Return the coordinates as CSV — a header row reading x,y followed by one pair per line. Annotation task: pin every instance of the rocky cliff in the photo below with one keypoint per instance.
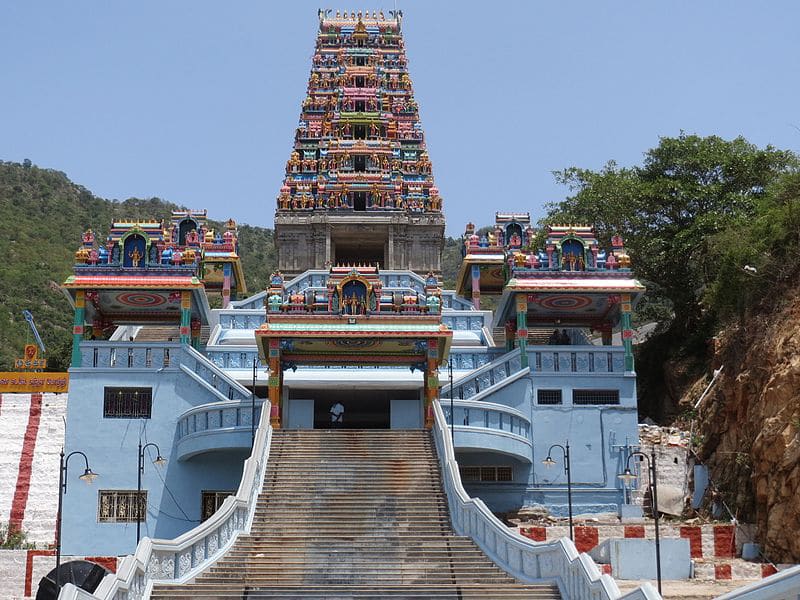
x,y
749,425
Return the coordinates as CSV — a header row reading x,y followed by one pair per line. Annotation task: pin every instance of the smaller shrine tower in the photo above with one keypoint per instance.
x,y
359,188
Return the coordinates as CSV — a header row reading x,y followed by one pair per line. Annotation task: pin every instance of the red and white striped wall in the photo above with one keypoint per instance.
x,y
713,548
31,436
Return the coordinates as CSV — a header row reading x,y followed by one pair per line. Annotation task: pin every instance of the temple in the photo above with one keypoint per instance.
x,y
359,187
355,315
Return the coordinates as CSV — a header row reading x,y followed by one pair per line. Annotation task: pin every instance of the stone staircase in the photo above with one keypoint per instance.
x,y
165,333
353,514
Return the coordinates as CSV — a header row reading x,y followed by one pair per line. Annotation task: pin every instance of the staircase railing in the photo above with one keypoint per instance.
x,y
208,375
780,586
577,575
183,558
487,376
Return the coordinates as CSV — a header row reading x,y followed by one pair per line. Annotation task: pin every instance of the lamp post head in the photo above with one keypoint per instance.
x,y
88,476
548,462
627,477
160,461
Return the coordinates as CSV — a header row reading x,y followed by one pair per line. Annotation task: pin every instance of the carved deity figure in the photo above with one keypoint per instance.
x,y
135,256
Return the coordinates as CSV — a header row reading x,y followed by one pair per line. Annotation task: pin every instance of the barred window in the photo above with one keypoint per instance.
x,y
211,500
119,506
548,396
127,403
486,473
595,396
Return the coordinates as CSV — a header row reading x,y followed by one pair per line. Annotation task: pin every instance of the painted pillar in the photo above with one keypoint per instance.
x,y
196,333
627,332
274,381
77,327
431,380
522,328
226,284
476,287
186,316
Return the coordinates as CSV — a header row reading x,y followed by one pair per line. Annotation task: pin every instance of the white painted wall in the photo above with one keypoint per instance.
x,y
40,513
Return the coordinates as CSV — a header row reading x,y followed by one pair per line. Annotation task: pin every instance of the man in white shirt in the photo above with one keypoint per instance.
x,y
337,414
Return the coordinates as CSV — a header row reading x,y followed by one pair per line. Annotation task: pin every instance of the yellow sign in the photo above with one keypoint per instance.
x,y
31,359
24,383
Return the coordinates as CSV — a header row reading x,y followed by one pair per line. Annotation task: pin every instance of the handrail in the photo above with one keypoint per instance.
x,y
508,357
780,586
577,576
200,359
183,558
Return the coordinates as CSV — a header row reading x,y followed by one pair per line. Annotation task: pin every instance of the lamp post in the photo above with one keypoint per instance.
x,y
549,462
160,461
88,476
628,478
452,414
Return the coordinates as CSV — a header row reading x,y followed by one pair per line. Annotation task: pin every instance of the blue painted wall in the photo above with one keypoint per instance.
x,y
111,445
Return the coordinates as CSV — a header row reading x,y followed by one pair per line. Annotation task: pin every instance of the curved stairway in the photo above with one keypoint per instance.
x,y
353,514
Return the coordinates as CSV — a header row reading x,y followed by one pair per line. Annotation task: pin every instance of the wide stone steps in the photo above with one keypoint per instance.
x,y
349,514
366,592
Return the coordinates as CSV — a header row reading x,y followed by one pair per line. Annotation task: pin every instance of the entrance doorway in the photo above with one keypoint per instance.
x,y
363,408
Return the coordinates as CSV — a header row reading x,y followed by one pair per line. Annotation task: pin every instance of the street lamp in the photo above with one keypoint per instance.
x,y
88,476
549,462
628,477
160,461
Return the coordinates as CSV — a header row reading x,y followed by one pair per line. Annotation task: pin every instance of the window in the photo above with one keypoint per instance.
x,y
211,500
119,506
127,403
548,396
595,396
361,61
483,474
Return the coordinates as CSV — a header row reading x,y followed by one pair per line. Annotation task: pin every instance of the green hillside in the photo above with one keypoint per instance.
x,y
42,216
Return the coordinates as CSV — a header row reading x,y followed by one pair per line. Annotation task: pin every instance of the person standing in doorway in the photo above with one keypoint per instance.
x,y
337,414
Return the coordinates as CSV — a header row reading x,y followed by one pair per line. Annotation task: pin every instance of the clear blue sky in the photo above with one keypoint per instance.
x,y
196,102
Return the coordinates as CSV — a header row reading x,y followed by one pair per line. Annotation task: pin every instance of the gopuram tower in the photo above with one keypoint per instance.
x,y
359,188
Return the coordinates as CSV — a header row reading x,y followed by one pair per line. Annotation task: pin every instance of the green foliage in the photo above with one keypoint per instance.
x,y
42,216
451,261
14,539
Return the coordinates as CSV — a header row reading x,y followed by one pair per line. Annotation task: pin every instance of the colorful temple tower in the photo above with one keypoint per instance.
x,y
359,187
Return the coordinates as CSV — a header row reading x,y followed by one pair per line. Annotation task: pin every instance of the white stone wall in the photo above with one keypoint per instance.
x,y
14,409
40,514
12,574
40,510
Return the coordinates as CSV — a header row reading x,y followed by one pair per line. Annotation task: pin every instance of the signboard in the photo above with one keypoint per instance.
x,y
25,383
31,359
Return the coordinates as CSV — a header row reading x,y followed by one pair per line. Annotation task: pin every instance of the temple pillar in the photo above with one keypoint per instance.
x,y
77,327
522,328
186,316
476,287
627,332
274,382
196,333
431,380
226,284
